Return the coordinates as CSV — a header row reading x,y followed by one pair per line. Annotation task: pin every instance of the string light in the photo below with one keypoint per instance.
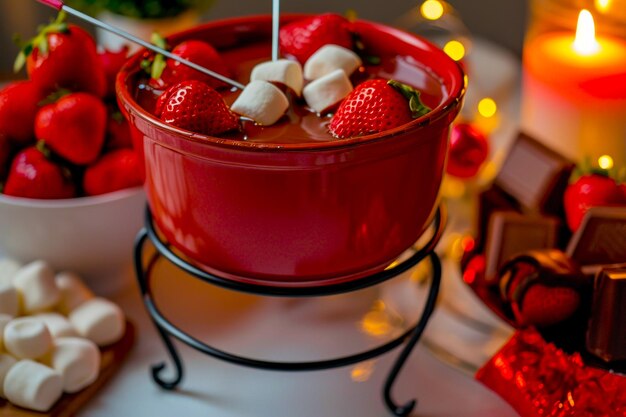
x,y
487,107
455,50
605,162
432,9
603,5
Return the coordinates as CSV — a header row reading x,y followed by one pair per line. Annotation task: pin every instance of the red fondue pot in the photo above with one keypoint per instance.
x,y
293,213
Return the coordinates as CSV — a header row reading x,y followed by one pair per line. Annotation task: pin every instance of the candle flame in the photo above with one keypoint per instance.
x,y
585,42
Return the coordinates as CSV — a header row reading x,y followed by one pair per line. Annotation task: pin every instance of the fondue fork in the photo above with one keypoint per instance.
x,y
60,6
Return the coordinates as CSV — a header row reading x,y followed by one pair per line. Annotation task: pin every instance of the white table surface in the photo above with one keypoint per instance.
x,y
279,329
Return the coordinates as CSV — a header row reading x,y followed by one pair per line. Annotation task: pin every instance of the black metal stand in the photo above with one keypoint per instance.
x,y
166,329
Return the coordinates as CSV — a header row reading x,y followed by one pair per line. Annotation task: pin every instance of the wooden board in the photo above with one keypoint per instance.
x,y
69,404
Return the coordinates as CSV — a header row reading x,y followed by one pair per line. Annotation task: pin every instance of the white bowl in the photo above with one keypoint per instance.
x,y
92,236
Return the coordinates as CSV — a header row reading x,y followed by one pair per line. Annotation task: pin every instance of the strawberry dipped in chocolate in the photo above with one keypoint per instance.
x,y
375,106
63,56
194,106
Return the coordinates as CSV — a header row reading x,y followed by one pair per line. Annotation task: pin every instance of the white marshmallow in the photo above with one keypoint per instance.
x,y
35,284
8,268
58,325
27,338
281,71
262,102
327,91
6,363
9,299
99,320
73,291
78,362
329,58
32,385
4,320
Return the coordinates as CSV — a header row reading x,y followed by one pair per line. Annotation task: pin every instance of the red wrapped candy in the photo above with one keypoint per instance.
x,y
538,379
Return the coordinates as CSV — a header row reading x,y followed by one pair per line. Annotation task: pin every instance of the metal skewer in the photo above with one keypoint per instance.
x,y
275,28
58,5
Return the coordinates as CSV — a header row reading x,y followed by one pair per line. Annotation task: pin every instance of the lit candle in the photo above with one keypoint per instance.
x,y
574,93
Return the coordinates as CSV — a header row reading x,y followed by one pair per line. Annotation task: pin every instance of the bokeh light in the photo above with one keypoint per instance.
x,y
432,9
455,50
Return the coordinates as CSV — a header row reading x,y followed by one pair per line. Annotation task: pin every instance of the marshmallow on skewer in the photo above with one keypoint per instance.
x,y
282,71
262,102
32,385
330,58
57,324
4,320
8,268
78,362
35,284
99,320
27,338
9,299
327,91
6,363
73,291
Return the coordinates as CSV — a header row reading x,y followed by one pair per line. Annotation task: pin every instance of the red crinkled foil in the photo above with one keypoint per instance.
x,y
538,379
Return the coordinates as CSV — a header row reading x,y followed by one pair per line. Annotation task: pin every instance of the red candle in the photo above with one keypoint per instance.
x,y
574,92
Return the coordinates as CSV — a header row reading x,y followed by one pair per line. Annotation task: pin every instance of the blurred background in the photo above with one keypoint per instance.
x,y
500,21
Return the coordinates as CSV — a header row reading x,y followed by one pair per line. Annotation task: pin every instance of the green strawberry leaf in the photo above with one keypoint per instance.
x,y
54,97
158,63
418,108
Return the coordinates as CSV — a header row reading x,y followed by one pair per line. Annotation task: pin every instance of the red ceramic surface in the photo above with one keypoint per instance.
x,y
294,213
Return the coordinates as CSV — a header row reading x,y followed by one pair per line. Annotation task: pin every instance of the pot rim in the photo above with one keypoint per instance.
x,y
452,102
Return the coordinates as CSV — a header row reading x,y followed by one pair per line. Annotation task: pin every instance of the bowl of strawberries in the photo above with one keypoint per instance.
x,y
324,168
70,180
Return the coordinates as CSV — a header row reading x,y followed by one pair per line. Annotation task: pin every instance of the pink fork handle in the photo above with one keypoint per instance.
x,y
57,4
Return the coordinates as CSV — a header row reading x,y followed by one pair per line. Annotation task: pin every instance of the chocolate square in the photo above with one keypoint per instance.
x,y
535,176
600,239
513,233
606,334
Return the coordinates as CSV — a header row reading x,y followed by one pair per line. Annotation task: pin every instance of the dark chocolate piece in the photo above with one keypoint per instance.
x,y
535,176
489,202
600,240
606,334
512,233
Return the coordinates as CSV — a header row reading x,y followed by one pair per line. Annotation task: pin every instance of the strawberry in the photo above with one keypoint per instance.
x,y
374,106
18,107
63,56
544,305
468,150
302,38
195,106
32,175
112,63
591,190
116,170
74,127
118,131
198,52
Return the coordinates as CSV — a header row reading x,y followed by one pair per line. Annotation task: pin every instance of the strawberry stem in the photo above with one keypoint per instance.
x,y
418,108
43,148
157,65
54,97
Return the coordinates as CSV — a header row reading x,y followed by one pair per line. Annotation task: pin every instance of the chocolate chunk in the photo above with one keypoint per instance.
x,y
512,233
606,334
600,241
535,176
